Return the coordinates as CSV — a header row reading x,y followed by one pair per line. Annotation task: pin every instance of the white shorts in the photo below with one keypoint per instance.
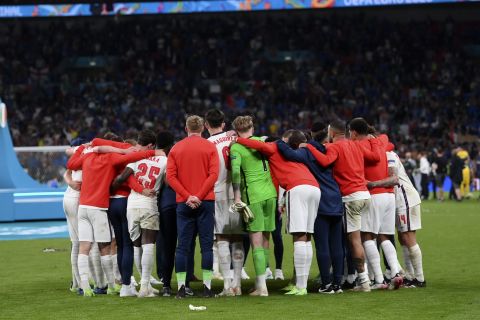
x,y
70,206
227,222
141,218
409,219
354,211
302,208
380,219
93,225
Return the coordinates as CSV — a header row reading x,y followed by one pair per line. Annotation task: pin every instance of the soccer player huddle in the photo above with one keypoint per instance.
x,y
343,186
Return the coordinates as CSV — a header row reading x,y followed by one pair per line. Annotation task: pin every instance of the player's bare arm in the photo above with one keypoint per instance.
x,y
75,185
120,179
110,149
391,181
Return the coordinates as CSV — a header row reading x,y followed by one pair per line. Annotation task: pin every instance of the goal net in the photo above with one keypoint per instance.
x,y
44,164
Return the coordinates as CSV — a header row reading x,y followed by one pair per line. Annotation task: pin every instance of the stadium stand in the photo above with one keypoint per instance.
x,y
84,76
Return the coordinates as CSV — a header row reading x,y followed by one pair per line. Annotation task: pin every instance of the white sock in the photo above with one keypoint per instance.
x,y
238,255
369,269
391,256
215,258
74,262
107,267
137,258
261,282
300,260
308,262
351,277
363,277
147,263
416,257
374,259
409,272
98,274
224,262
116,270
83,271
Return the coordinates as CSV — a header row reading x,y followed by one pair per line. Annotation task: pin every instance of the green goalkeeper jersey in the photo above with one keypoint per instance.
x,y
250,169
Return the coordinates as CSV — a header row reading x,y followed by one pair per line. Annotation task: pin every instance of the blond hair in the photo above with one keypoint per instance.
x,y
242,123
195,124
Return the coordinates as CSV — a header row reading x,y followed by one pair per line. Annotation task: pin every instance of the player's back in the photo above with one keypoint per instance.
x,y
255,172
375,171
149,173
349,166
405,186
223,186
97,175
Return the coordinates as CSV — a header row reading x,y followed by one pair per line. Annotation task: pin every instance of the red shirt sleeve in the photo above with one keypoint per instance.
x,y
76,160
383,139
324,159
213,170
118,159
372,155
102,142
172,176
266,148
134,184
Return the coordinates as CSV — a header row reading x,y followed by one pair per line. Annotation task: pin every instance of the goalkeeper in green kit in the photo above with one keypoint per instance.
x,y
253,186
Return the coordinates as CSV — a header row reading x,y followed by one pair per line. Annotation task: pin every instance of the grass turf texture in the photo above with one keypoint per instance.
x,y
34,284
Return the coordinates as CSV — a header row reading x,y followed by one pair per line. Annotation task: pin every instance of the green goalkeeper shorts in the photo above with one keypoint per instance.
x,y
264,213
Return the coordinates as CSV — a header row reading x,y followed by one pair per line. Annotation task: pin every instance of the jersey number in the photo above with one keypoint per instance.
x,y
152,175
226,157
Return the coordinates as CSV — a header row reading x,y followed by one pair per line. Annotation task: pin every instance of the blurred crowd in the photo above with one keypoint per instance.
x,y
440,171
416,80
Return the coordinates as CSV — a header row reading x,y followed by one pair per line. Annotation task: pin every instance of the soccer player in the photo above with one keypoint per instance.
x,y
192,170
252,184
228,224
303,197
328,230
408,218
379,221
348,159
142,210
93,225
117,215
70,207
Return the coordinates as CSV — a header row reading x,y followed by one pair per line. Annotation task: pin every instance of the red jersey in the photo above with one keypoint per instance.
x,y
375,171
348,160
289,174
99,170
192,168
124,189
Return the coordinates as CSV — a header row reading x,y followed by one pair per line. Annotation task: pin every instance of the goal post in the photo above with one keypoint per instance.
x,y
44,164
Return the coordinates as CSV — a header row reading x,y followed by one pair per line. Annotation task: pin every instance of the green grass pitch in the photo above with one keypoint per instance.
x,y
34,285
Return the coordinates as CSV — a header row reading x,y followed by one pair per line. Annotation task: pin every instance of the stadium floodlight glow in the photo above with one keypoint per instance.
x,y
192,6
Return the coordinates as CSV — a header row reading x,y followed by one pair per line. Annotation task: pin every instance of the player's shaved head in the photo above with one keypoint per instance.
x,y
294,138
215,118
112,137
337,126
133,142
242,123
147,137
195,124
359,125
